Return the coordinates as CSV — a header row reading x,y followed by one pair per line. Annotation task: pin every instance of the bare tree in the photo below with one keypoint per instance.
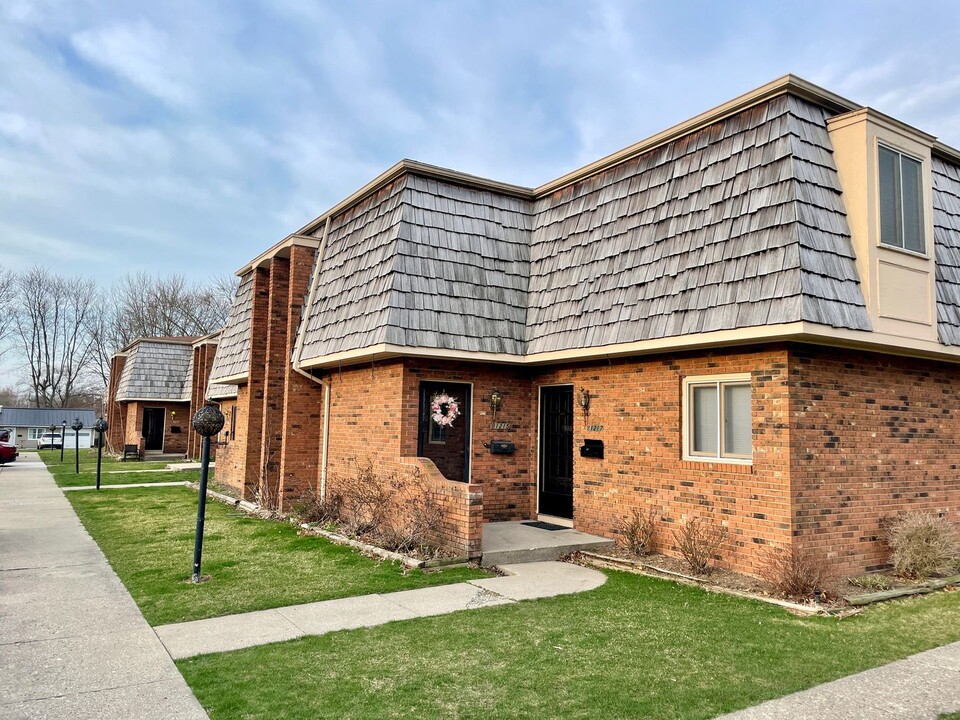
x,y
8,292
145,305
52,325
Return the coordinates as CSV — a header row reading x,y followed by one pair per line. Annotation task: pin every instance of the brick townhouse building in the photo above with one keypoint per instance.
x,y
156,385
753,316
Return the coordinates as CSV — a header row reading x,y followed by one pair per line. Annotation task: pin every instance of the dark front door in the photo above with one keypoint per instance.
x,y
556,451
447,445
153,428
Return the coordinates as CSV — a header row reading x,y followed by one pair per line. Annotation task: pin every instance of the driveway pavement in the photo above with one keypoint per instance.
x,y
72,642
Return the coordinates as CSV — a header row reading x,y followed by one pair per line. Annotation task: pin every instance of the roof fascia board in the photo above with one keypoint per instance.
x,y
793,332
946,152
153,399
280,249
783,85
238,379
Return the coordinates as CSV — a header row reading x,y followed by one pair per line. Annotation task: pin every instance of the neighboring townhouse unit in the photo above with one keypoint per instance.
x,y
156,385
752,316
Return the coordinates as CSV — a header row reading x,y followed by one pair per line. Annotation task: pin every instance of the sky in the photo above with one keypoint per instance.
x,y
190,136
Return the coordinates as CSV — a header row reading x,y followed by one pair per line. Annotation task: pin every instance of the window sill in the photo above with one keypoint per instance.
x,y
717,464
904,251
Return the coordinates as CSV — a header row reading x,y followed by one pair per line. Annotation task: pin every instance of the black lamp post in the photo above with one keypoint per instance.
x,y
53,434
77,427
208,421
63,438
101,426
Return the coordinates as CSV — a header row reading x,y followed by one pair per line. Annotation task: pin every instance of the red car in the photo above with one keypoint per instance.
x,y
8,452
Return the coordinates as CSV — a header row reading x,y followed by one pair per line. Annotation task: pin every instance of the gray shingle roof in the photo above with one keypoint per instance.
x,y
44,417
737,225
424,263
233,351
155,371
946,233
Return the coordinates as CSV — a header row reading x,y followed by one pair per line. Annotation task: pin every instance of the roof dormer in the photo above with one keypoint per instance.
x,y
885,172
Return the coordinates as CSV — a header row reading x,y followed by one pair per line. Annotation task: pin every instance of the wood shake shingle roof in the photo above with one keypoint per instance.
x,y
946,234
156,370
738,224
423,263
233,351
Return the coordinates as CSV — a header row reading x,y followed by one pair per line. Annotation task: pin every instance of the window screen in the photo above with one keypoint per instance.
x,y
719,419
901,200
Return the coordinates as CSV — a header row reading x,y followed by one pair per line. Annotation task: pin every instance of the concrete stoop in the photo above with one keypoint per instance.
x,y
512,543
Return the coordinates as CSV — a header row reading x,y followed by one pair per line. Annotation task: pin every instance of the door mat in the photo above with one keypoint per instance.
x,y
540,525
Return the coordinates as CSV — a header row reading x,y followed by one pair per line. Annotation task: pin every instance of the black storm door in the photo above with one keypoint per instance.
x,y
447,445
153,428
556,451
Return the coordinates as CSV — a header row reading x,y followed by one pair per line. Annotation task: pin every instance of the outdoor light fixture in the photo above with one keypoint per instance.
x,y
496,399
63,437
77,427
101,426
207,421
583,400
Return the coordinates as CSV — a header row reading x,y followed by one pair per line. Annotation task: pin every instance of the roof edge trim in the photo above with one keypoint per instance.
x,y
238,379
416,168
783,85
800,331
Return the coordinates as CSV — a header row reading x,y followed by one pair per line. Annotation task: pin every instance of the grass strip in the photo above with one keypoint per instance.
x,y
147,535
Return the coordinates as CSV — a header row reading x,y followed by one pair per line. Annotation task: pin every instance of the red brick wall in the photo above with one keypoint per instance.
x,y
507,481
116,412
302,398
638,403
203,356
177,414
370,412
872,435
232,451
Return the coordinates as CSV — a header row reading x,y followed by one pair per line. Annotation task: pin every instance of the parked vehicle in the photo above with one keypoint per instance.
x,y
50,441
8,452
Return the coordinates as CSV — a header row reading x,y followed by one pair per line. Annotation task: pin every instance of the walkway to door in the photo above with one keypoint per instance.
x,y
508,543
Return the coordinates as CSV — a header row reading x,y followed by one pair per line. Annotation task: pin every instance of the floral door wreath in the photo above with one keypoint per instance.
x,y
444,409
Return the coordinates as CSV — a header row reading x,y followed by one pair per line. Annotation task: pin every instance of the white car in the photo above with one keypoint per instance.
x,y
50,441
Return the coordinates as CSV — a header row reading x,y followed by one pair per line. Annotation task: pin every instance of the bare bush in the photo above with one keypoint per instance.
x,y
699,541
311,508
793,572
397,511
922,545
637,531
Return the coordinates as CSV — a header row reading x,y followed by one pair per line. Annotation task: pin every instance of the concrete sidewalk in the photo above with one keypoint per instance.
x,y
233,632
917,688
72,642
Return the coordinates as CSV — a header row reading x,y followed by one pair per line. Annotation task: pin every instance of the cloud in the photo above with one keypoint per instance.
x,y
188,136
141,54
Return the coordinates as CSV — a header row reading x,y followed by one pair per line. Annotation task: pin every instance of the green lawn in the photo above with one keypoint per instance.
x,y
147,535
132,472
635,648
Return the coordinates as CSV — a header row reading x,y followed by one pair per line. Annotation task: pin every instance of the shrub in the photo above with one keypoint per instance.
x,y
793,572
396,511
699,541
637,530
922,545
311,508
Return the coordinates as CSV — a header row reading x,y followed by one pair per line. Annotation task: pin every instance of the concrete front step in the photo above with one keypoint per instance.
x,y
512,543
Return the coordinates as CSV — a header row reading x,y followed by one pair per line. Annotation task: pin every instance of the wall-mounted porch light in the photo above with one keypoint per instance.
x,y
496,400
583,400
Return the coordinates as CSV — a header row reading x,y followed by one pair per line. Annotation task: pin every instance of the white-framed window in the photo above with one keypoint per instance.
x,y
35,433
717,418
901,200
